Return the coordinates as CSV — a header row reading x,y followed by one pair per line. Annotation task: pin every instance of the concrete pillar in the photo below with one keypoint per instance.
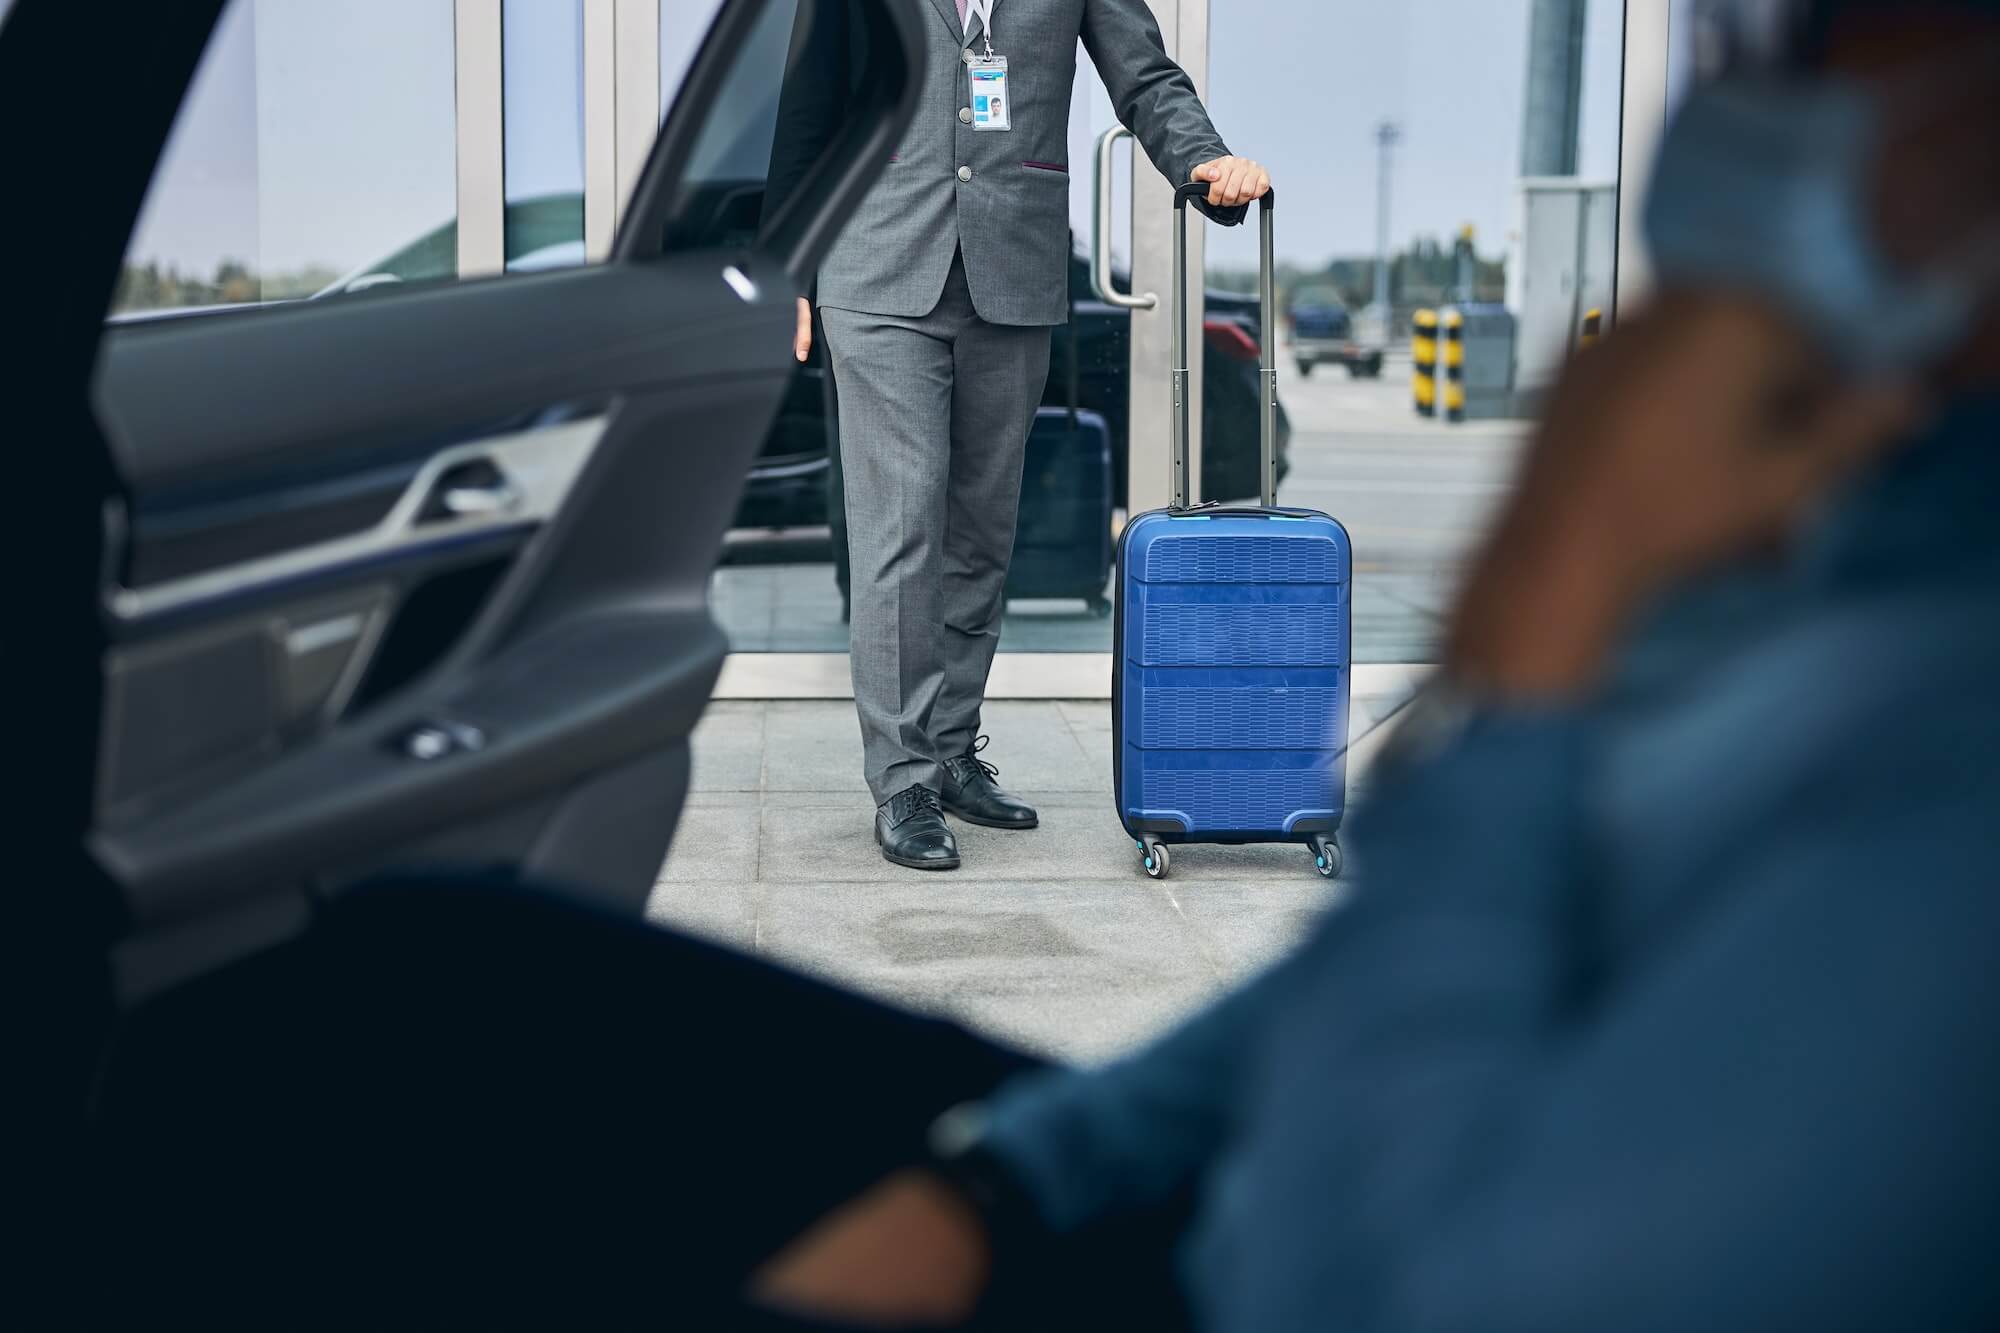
x,y
1555,88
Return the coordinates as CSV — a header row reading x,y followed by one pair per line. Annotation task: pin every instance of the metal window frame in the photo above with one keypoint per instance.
x,y
621,111
1184,25
1648,53
621,119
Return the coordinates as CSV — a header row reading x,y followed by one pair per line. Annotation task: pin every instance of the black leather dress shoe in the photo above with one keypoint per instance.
x,y
971,793
912,831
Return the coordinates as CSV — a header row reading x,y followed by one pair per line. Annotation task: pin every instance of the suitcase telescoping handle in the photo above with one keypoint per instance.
x,y
1267,371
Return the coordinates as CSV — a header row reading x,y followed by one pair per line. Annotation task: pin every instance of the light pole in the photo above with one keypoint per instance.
x,y
1387,135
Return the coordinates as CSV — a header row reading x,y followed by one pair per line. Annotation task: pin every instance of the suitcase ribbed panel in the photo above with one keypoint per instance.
x,y
1237,560
1245,800
1243,719
1207,634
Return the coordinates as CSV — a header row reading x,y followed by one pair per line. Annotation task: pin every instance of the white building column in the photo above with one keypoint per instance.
x,y
482,144
1648,44
1184,25
621,116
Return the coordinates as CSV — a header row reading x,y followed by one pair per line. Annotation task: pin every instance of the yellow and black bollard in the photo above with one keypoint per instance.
x,y
1424,356
1593,328
1454,365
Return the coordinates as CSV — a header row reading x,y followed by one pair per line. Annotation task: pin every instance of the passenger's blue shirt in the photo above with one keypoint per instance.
x,y
1678,1008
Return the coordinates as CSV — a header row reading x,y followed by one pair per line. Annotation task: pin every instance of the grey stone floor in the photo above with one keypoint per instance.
x,y
1052,939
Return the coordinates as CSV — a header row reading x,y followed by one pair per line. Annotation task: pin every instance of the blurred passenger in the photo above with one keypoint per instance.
x,y
1670,998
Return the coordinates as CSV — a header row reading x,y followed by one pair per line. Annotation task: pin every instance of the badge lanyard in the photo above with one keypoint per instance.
x,y
984,9
992,105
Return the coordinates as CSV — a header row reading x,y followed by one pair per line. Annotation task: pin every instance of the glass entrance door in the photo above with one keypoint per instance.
x,y
1098,449
1432,156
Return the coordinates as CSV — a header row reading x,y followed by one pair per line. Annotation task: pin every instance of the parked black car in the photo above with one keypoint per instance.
x,y
789,485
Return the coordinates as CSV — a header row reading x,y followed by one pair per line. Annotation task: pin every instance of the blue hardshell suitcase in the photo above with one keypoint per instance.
x,y
1233,652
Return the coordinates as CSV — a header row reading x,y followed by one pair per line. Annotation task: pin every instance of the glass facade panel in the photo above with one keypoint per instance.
x,y
542,42
783,583
265,193
1476,100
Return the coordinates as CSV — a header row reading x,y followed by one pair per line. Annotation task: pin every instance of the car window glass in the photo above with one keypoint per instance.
x,y
324,149
683,25
264,193
720,199
543,112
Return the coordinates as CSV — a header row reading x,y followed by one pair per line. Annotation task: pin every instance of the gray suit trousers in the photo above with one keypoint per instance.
x,y
934,418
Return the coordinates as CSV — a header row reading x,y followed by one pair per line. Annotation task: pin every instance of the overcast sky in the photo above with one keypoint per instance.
x,y
1301,85
344,148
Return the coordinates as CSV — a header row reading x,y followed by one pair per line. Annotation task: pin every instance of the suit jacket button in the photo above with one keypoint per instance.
x,y
965,114
965,173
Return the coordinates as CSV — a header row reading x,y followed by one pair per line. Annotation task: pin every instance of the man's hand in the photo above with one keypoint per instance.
x,y
908,1252
1233,181
802,340
1702,431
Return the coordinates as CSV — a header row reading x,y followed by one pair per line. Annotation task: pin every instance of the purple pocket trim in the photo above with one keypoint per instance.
x,y
1047,166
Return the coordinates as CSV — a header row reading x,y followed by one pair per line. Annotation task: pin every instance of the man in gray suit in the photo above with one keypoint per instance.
x,y
937,305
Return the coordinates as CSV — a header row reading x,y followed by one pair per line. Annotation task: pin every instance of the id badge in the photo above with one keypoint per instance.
x,y
991,106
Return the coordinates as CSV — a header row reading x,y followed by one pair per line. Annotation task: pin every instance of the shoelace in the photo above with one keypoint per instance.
x,y
913,801
971,757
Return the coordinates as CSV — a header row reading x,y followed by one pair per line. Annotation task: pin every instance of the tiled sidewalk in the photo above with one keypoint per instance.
x,y
1053,939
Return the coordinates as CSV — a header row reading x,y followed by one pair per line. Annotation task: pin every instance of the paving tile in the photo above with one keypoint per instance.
x,y
1036,750
1087,1028
724,800
986,937
812,747
722,911
1075,843
728,748
1090,726
1024,959
823,837
1252,926
715,844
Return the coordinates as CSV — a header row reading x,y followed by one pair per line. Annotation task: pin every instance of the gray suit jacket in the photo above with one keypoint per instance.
x,y
1012,217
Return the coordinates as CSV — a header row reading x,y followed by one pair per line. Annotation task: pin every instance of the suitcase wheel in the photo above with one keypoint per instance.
x,y
1326,857
1155,860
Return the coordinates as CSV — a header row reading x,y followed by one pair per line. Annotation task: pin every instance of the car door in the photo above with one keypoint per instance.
x,y
417,576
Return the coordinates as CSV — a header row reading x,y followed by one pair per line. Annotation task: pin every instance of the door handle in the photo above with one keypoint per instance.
x,y
1100,240
472,490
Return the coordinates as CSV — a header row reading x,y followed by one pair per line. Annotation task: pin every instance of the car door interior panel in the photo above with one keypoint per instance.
x,y
427,585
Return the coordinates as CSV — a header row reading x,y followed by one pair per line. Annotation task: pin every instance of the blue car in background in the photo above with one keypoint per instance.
x,y
1323,331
